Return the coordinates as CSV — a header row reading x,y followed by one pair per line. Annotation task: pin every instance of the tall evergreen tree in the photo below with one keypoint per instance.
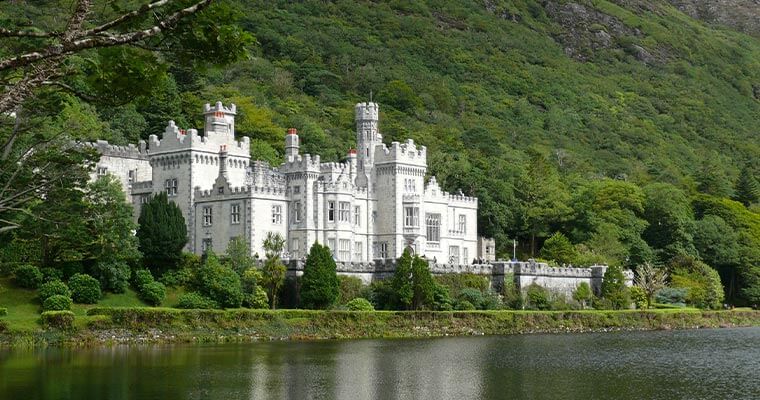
x,y
747,189
162,233
413,286
320,286
614,289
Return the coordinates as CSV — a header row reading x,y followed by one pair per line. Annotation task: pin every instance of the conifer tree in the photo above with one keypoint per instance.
x,y
747,189
320,286
413,286
614,289
162,234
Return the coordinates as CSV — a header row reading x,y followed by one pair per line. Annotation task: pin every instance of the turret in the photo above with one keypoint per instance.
x,y
291,145
219,119
367,133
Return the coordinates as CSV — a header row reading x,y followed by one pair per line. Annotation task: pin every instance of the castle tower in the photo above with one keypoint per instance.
x,y
367,133
292,144
219,119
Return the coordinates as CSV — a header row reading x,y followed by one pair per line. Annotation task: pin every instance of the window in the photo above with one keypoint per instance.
x,y
454,255
433,222
221,189
131,176
296,189
331,211
206,245
331,245
235,213
144,199
357,215
463,223
381,249
297,211
277,214
410,185
465,255
344,251
171,187
102,171
411,217
208,216
344,212
357,251
294,248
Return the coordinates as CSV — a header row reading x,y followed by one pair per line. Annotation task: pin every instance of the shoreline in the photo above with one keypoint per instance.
x,y
132,326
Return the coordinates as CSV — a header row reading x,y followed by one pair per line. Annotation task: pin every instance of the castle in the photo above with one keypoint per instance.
x,y
369,207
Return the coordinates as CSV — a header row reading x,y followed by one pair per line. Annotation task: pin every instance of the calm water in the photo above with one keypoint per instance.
x,y
703,364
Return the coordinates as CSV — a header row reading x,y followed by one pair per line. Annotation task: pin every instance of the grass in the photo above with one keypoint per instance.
x,y
24,308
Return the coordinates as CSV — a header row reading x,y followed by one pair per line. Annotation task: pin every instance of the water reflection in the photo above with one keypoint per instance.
x,y
704,364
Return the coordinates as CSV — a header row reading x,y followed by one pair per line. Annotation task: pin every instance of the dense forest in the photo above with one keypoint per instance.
x,y
627,126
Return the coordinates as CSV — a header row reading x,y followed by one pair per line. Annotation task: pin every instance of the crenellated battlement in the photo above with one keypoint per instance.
x,y
174,139
404,153
366,112
305,162
111,150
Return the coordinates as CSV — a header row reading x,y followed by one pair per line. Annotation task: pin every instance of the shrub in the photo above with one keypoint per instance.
x,y
359,304
219,283
350,288
63,320
27,276
112,275
84,289
537,297
195,300
57,302
258,299
614,289
639,297
176,278
253,293
473,296
52,288
559,248
455,283
51,274
582,294
381,295
3,312
671,296
153,293
141,277
464,305
702,282
441,298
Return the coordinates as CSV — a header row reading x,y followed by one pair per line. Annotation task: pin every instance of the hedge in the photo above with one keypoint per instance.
x,y
63,320
57,302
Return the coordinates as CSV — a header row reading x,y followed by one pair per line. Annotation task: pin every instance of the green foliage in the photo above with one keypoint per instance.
x,y
52,288
153,293
51,274
464,305
84,289
457,282
413,286
537,297
162,233
273,272
441,299
351,287
63,320
558,248
747,190
472,296
639,297
27,276
614,289
219,283
57,302
671,296
3,311
142,277
239,255
113,275
359,304
701,282
195,300
320,286
254,296
583,294
671,219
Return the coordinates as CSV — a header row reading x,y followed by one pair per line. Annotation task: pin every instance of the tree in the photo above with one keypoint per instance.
x,y
583,294
320,286
702,282
650,279
747,190
558,248
162,233
543,198
239,255
413,286
671,221
218,282
614,289
274,270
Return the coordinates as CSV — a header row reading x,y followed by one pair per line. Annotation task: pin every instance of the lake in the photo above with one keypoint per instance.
x,y
694,364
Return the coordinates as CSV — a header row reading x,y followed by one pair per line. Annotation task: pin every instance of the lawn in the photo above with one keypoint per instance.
x,y
24,308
